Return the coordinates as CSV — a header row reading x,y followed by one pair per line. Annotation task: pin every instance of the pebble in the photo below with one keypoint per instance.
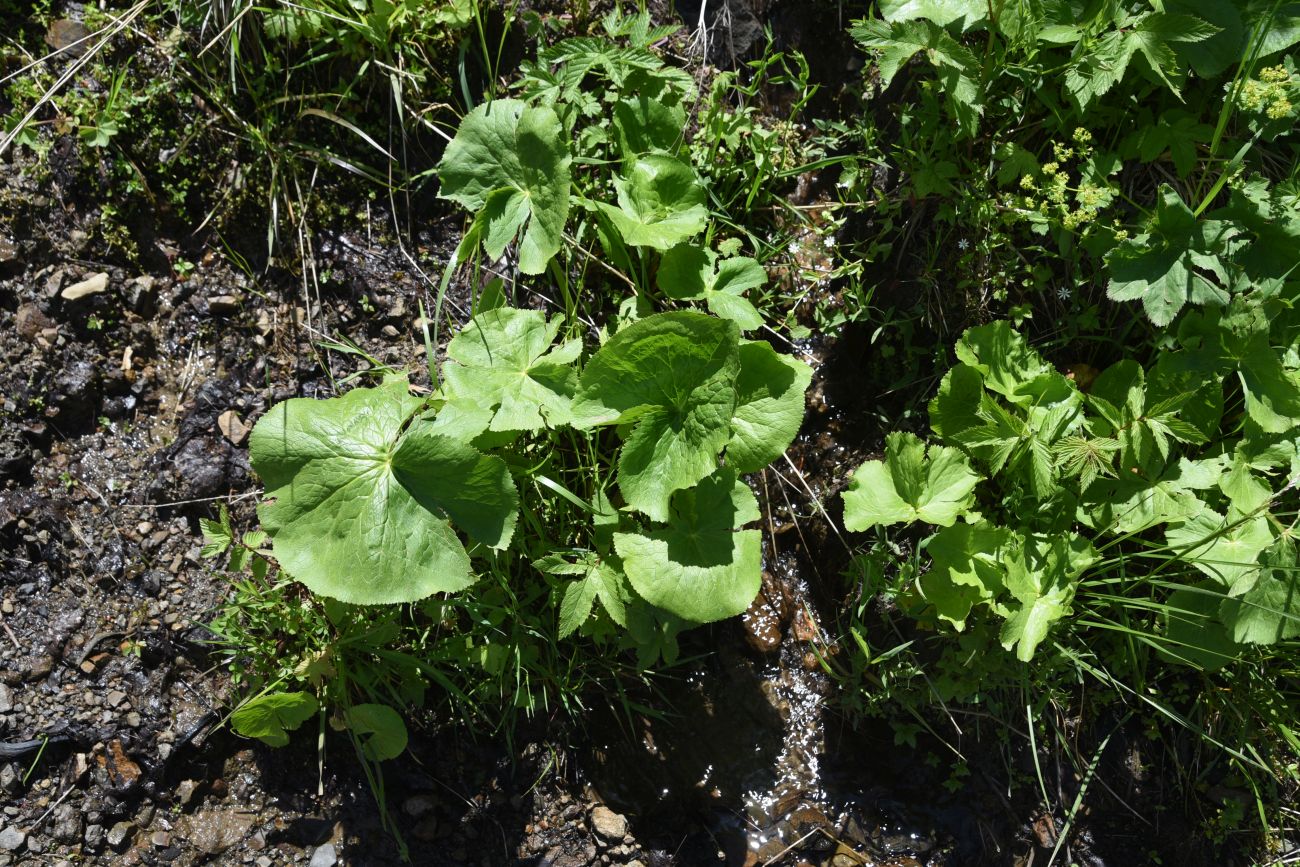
x,y
119,834
116,697
12,839
324,856
222,304
608,824
232,427
6,699
92,285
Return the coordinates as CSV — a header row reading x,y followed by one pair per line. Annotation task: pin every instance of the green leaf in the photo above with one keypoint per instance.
x,y
955,65
1227,551
1269,612
660,203
1195,636
380,730
575,606
1176,262
906,487
1042,576
1010,366
689,272
504,359
697,567
941,12
1131,504
361,511
967,567
271,717
651,116
218,535
509,163
673,375
769,406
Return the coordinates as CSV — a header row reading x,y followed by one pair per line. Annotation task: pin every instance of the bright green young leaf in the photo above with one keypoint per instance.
x,y
698,567
361,511
689,272
1178,261
1011,367
1225,550
967,567
505,359
660,203
1269,612
941,12
509,163
906,487
1042,576
673,375
271,717
1131,504
379,728
769,406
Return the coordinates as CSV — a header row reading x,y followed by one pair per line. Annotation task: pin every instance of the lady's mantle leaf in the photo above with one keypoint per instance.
x,y
504,360
509,163
769,406
905,487
380,730
1042,576
1226,550
271,717
660,202
359,510
674,375
967,567
698,568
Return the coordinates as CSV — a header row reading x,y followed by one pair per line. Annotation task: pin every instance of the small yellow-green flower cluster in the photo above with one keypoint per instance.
x,y
1269,94
1049,193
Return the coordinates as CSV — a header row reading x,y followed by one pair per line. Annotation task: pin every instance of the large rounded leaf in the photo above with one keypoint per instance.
x,y
697,567
769,406
675,375
660,202
359,510
509,163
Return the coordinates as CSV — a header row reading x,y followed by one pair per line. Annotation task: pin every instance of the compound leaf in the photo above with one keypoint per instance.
x,y
361,511
906,487
509,163
673,375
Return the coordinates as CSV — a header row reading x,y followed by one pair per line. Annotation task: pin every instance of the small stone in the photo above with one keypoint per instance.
x,y
263,861
94,836
67,824
160,839
608,824
68,36
232,427
92,285
6,699
324,856
417,805
223,304
133,720
119,834
12,839
41,668
30,321
115,697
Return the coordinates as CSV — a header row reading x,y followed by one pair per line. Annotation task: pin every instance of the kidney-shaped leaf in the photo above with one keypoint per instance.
x,y
660,202
698,567
674,375
769,406
689,272
907,487
380,730
271,717
359,510
504,359
509,163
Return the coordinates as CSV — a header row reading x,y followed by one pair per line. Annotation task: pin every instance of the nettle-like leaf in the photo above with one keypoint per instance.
x,y
699,567
673,377
509,163
660,203
689,272
505,361
907,487
955,65
1180,260
271,717
769,406
360,506
1102,64
597,579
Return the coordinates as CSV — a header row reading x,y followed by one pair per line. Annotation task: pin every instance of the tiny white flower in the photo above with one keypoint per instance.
x,y
1063,293
829,241
794,247
963,245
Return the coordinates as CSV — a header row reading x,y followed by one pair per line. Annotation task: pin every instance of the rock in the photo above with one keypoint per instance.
x,y
122,772
232,427
160,839
67,824
12,839
92,285
120,834
30,321
608,824
214,831
115,697
185,792
221,305
94,836
68,36
6,699
324,856
40,668
8,251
